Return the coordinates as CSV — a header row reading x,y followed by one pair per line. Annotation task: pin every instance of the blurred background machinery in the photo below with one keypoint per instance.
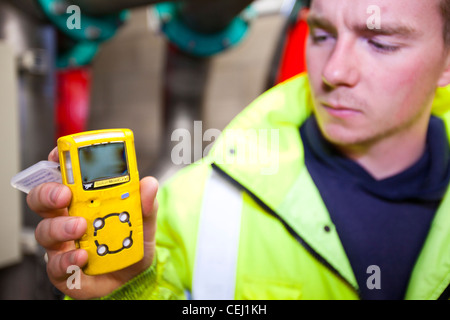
x,y
148,65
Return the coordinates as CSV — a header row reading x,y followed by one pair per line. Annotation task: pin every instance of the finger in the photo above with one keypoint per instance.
x,y
53,155
59,263
49,199
52,233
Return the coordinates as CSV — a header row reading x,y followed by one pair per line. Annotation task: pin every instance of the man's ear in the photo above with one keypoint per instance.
x,y
444,80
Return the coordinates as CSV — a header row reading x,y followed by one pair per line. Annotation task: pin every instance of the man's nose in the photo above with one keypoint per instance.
x,y
342,67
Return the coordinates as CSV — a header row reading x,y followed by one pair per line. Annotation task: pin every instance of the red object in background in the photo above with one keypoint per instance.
x,y
293,59
73,95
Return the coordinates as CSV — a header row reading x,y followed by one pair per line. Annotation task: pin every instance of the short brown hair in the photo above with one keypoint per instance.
x,y
445,10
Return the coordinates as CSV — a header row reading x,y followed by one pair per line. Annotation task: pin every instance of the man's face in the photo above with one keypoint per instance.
x,y
372,83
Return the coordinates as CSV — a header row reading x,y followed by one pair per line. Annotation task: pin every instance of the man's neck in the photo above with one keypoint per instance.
x,y
391,155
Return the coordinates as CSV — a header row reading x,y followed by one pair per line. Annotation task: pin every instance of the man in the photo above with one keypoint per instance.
x,y
358,206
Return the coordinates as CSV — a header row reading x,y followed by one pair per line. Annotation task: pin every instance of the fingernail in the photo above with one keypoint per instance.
x,y
54,194
71,225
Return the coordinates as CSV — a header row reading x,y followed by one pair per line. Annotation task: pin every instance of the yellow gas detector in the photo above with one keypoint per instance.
x,y
101,170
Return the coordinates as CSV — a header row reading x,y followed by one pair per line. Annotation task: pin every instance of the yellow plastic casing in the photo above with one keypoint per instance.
x,y
111,205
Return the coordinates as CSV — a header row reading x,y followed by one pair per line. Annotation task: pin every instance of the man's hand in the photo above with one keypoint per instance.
x,y
58,231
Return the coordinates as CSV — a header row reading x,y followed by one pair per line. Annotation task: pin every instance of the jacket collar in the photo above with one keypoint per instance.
x,y
431,274
261,148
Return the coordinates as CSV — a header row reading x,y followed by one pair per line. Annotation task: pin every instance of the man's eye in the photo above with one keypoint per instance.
x,y
381,47
318,39
320,36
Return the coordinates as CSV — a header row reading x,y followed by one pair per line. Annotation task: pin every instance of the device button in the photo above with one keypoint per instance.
x,y
102,250
127,242
125,195
124,217
99,223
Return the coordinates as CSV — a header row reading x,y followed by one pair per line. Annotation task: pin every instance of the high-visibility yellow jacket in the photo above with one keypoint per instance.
x,y
288,247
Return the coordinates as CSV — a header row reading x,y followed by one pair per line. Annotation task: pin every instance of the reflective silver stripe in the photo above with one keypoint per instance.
x,y
214,275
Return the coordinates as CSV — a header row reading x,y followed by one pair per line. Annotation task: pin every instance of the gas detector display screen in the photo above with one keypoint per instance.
x,y
103,161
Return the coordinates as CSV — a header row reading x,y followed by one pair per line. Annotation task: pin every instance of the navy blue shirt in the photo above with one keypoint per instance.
x,y
381,223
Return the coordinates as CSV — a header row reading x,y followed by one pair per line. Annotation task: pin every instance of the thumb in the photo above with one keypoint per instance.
x,y
149,189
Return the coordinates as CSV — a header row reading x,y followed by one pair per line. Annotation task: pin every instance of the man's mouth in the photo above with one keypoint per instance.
x,y
340,111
